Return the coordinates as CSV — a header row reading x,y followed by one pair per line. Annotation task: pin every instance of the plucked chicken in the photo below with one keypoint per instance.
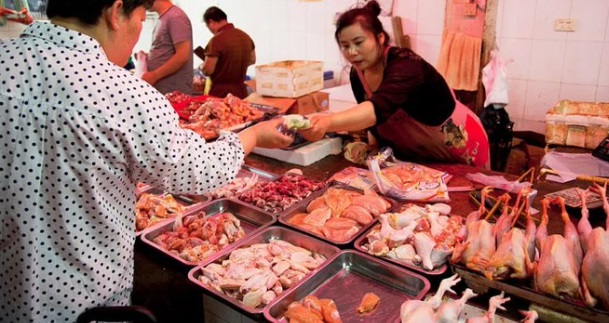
x,y
496,302
557,271
594,271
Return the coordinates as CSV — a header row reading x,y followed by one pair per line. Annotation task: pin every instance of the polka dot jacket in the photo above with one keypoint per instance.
x,y
77,133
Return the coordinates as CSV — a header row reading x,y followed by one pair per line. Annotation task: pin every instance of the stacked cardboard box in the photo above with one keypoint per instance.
x,y
291,86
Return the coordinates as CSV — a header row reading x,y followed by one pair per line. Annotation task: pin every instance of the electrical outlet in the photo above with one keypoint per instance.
x,y
564,24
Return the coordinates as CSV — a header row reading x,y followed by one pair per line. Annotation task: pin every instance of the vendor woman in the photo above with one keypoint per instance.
x,y
403,101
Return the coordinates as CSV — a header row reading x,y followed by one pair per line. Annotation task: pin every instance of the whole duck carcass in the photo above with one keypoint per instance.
x,y
595,266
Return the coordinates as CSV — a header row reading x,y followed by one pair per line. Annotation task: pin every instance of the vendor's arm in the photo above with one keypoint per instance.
x,y
209,66
362,116
181,57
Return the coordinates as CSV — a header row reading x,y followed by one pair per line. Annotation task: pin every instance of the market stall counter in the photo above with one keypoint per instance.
x,y
163,285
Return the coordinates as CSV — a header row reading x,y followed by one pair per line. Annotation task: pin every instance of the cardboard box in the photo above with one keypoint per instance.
x,y
289,79
306,104
577,124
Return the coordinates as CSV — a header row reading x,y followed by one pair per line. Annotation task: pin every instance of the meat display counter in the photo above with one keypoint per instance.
x,y
164,287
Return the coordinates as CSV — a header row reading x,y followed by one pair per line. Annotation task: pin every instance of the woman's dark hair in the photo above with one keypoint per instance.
x,y
89,11
215,14
367,17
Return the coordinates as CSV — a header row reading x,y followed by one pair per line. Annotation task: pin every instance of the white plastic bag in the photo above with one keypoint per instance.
x,y
494,78
141,63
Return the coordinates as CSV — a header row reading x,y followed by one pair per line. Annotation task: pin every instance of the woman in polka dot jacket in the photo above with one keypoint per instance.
x,y
77,133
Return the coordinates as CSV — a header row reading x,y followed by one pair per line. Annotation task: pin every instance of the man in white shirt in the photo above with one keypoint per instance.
x,y
78,132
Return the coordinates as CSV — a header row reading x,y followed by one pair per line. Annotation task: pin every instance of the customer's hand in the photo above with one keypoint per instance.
x,y
264,135
319,126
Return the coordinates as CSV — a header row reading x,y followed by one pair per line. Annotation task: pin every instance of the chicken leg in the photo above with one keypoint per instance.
x,y
450,310
496,302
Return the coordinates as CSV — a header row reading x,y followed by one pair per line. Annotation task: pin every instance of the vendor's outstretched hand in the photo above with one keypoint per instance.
x,y
319,127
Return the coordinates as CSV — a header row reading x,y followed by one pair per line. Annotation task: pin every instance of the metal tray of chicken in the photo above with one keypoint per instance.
x,y
266,235
479,284
363,240
302,208
346,278
257,175
295,204
251,220
185,204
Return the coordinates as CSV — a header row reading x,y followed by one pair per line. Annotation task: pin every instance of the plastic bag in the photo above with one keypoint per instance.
x,y
494,78
141,63
407,181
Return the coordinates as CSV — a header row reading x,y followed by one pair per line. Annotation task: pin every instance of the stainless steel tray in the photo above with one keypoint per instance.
x,y
478,283
346,278
186,203
252,221
302,207
362,240
264,236
245,171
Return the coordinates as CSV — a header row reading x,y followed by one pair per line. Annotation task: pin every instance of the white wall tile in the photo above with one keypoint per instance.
x,y
518,52
547,58
430,17
428,47
602,94
544,18
582,62
518,19
603,78
297,15
408,10
590,19
499,18
517,94
540,97
577,92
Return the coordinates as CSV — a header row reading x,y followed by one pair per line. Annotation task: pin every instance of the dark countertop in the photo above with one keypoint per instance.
x,y
162,285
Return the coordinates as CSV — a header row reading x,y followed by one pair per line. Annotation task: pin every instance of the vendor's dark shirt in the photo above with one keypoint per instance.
x,y
233,48
411,84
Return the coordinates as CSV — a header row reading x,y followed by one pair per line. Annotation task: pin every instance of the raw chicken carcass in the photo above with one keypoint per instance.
x,y
450,310
496,302
557,272
423,311
594,271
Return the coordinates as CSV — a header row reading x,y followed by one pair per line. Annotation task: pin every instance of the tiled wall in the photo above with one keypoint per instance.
x,y
546,65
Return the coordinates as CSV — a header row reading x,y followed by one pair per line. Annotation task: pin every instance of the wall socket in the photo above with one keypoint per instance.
x,y
564,24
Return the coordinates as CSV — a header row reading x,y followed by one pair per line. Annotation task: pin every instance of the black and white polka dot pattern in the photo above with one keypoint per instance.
x,y
77,133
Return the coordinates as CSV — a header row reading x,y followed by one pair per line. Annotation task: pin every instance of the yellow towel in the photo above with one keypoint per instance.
x,y
459,60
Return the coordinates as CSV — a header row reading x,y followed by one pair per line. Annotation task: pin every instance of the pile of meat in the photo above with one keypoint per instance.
x,y
152,208
276,196
340,213
435,309
418,236
257,274
236,187
196,237
208,117
177,97
572,266
313,309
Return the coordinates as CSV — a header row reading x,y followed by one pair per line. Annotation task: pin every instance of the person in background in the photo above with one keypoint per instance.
x,y
170,60
82,132
403,101
228,54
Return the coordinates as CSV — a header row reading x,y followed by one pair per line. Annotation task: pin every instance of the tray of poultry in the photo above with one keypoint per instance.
x,y
246,178
565,273
337,213
420,238
154,205
206,229
256,270
283,193
350,287
208,117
